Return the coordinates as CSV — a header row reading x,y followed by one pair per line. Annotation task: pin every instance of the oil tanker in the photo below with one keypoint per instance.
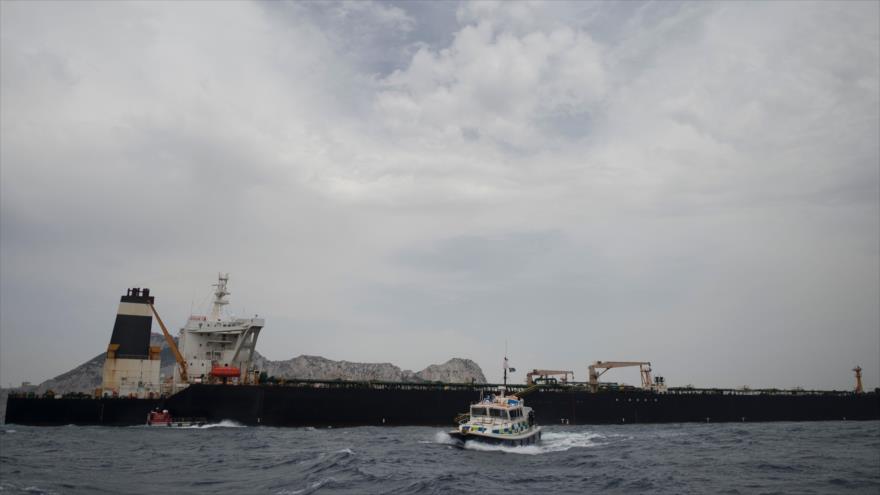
x,y
215,380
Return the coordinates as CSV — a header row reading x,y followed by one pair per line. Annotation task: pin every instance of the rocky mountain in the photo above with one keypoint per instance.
x,y
456,370
87,376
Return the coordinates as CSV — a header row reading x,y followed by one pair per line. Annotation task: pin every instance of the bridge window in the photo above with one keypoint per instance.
x,y
478,411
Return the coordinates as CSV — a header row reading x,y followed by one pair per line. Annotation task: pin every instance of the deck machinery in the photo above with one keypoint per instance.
x,y
657,384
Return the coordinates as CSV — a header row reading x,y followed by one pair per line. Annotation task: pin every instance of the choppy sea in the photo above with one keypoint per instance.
x,y
821,457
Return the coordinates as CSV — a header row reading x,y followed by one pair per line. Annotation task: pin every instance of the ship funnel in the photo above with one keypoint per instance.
x,y
131,331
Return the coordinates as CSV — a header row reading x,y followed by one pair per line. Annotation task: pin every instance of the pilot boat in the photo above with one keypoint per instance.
x,y
499,420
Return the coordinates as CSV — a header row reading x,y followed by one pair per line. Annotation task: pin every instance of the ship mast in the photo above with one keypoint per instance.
x,y
505,366
506,369
220,296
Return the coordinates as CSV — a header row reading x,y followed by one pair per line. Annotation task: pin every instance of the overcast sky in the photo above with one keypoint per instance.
x,y
697,185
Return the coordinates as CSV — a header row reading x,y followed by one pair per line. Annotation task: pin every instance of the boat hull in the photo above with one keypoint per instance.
x,y
330,404
508,440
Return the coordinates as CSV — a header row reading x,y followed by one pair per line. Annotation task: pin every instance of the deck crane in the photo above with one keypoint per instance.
x,y
644,369
858,370
174,350
543,374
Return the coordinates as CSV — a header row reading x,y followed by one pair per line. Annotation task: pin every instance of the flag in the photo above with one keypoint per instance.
x,y
512,370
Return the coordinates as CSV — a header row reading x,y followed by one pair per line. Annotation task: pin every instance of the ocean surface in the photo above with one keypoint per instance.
x,y
821,457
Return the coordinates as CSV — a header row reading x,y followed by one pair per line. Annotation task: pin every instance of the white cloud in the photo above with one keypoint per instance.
x,y
495,84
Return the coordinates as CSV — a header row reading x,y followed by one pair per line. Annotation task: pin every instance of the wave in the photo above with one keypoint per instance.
x,y
313,487
335,461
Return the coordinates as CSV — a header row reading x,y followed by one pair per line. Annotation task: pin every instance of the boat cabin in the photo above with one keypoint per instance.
x,y
499,412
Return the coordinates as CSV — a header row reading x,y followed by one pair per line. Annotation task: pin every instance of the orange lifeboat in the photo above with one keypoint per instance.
x,y
225,372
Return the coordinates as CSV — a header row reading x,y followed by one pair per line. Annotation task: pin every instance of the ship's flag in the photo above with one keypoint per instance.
x,y
506,367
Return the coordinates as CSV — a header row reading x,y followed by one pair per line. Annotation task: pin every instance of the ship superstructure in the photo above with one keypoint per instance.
x,y
218,348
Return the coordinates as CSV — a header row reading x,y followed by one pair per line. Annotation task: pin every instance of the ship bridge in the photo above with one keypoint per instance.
x,y
219,348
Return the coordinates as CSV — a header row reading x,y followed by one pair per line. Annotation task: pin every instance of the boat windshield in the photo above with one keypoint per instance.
x,y
478,411
498,413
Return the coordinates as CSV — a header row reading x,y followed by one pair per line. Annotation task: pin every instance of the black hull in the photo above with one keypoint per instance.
x,y
57,412
403,405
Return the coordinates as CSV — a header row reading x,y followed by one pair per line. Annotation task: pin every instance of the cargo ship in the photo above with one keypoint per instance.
x,y
215,380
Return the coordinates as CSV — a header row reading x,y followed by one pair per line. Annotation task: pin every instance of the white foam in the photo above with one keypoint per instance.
x,y
36,489
550,442
443,438
226,423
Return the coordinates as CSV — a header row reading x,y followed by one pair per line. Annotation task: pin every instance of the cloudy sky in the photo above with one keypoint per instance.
x,y
694,184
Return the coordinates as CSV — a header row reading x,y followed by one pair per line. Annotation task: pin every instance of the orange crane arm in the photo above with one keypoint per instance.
x,y
618,364
177,356
645,370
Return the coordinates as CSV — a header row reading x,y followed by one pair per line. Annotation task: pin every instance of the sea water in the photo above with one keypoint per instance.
x,y
816,457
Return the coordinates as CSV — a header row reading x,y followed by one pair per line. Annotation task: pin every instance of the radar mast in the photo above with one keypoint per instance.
x,y
220,296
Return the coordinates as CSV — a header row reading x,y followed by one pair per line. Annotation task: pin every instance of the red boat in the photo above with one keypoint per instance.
x,y
164,418
159,418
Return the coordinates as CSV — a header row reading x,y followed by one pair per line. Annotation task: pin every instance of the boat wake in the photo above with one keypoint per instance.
x,y
550,442
226,423
443,438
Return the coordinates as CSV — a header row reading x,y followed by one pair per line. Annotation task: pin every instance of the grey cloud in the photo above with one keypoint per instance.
x,y
489,260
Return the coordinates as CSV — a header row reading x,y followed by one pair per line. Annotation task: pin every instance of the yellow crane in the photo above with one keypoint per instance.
x,y
546,373
858,370
174,350
644,369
